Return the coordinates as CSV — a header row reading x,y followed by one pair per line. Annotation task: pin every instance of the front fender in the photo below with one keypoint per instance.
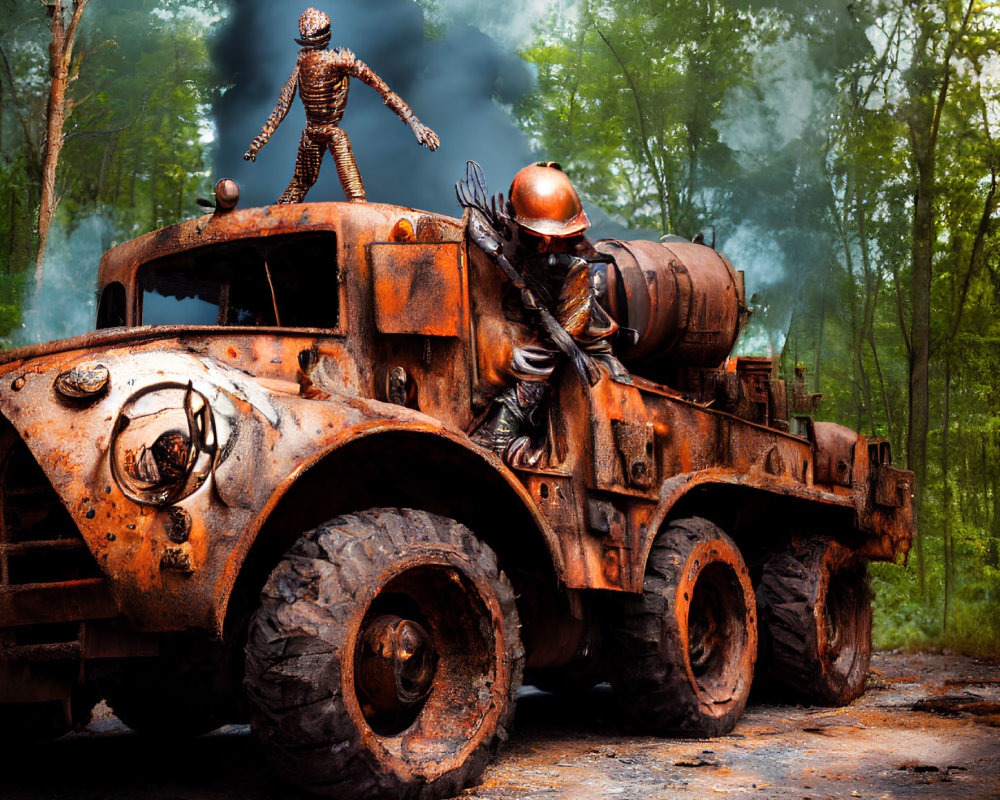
x,y
172,565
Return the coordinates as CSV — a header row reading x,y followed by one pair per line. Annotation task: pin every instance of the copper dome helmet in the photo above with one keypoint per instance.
x,y
314,29
542,200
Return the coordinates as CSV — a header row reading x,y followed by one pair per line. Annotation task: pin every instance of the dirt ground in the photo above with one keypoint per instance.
x,y
928,727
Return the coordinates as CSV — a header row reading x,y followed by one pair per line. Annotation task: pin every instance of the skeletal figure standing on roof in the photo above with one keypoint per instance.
x,y
322,77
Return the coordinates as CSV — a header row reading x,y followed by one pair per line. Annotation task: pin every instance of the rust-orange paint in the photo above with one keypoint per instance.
x,y
421,344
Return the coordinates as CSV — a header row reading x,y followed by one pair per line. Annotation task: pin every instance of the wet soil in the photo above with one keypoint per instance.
x,y
880,746
928,727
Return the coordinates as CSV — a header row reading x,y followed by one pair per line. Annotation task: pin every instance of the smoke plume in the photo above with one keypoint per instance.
x,y
66,305
774,217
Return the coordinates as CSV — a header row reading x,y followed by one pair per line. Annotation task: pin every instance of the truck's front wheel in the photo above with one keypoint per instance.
x,y
682,654
383,659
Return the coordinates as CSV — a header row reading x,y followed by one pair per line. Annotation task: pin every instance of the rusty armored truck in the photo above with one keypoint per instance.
x,y
250,493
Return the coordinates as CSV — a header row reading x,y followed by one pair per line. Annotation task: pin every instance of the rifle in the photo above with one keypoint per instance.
x,y
486,226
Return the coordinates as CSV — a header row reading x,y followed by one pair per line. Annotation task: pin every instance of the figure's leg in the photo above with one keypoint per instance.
x,y
306,170
517,410
347,167
600,350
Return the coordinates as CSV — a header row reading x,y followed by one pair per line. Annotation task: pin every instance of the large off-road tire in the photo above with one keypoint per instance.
x,y
384,657
816,621
191,688
681,656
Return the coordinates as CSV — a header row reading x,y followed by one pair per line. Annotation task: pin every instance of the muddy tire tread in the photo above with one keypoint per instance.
x,y
787,594
647,668
302,618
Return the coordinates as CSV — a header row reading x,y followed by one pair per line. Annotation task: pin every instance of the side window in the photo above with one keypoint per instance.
x,y
111,306
287,281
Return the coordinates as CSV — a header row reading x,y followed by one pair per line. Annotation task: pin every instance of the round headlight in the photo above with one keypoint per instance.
x,y
164,444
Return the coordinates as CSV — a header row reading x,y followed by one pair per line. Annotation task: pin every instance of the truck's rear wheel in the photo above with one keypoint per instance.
x,y
816,621
682,655
384,657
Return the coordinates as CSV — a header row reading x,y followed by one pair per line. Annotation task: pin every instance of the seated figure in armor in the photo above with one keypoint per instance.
x,y
322,77
537,239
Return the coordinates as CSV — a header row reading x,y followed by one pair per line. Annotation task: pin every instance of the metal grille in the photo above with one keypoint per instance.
x,y
49,581
39,543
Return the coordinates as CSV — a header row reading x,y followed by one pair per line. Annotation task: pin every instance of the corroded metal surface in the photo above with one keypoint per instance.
x,y
174,464
684,301
633,451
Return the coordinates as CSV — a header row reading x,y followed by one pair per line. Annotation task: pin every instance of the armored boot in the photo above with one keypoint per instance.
x,y
515,413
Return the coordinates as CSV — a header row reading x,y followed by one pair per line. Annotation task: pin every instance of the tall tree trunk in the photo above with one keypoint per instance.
x,y
59,108
659,179
949,566
924,123
860,388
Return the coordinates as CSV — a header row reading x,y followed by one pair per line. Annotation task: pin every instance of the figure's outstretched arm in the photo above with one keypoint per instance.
x,y
273,121
360,70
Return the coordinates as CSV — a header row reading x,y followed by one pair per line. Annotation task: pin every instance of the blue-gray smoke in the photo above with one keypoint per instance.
x,y
452,83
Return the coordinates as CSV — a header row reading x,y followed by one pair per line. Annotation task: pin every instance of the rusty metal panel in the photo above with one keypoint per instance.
x,y
834,452
69,601
419,288
892,486
634,442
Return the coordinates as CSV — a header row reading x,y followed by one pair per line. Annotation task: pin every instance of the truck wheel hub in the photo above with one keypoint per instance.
x,y
396,663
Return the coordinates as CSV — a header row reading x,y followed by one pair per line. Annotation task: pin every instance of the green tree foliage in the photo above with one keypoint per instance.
x,y
846,155
134,148
917,171
140,134
23,87
631,106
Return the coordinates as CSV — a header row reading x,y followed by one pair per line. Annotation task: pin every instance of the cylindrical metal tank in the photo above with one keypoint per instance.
x,y
684,300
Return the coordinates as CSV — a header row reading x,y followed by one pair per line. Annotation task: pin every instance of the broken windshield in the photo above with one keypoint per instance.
x,y
287,281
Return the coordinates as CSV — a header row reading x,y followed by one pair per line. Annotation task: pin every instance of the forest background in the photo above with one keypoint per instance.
x,y
844,154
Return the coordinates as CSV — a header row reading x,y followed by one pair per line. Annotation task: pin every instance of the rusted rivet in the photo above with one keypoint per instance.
x,y
402,231
178,524
227,195
85,380
177,558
